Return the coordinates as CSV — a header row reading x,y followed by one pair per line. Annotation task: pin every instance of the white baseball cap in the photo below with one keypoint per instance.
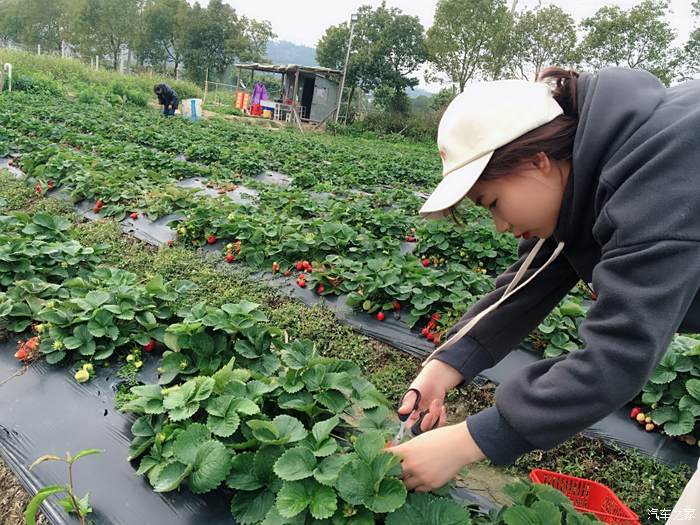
x,y
481,119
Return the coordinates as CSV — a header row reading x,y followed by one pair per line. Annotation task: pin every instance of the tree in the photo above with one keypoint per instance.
x,y
216,36
468,37
256,34
38,22
162,37
541,38
442,98
687,59
106,27
387,47
638,38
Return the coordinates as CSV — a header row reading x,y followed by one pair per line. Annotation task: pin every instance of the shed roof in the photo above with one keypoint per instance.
x,y
289,68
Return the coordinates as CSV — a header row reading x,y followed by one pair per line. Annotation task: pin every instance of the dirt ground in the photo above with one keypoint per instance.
x,y
13,499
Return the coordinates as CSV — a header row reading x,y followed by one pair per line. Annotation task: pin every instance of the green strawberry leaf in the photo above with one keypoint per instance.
x,y
295,464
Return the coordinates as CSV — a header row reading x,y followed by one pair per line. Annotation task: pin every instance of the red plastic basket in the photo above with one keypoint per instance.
x,y
588,496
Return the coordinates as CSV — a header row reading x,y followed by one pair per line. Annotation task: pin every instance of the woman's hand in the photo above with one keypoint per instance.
x,y
432,382
432,459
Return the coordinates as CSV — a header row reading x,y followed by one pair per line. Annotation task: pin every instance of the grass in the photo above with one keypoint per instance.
x,y
639,481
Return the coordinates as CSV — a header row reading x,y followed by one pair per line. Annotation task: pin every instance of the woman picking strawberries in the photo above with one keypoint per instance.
x,y
599,174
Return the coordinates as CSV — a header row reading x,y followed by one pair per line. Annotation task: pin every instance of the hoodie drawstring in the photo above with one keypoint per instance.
x,y
510,290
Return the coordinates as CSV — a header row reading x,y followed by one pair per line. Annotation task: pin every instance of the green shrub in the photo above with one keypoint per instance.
x,y
89,96
36,83
137,98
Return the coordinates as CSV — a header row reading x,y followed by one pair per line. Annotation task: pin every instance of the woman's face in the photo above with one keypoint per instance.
x,y
526,202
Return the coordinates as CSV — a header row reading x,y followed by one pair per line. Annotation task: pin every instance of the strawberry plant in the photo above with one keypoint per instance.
x,y
104,311
289,443
673,391
558,333
537,504
39,247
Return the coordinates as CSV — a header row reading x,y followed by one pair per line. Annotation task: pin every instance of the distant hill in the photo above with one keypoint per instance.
x,y
284,52
418,92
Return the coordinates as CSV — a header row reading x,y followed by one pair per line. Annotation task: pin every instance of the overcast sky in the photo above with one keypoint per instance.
x,y
305,21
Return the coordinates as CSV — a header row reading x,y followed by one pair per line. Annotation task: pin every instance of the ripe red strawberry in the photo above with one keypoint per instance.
x,y
320,288
21,354
634,412
230,258
425,332
397,306
430,336
380,316
425,262
287,272
410,238
594,296
170,243
435,316
38,187
299,266
301,283
211,239
148,347
134,215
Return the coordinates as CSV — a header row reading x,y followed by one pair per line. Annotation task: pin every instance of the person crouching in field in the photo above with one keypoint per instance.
x,y
167,97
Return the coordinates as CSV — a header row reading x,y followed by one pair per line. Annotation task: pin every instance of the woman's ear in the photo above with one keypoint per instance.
x,y
542,162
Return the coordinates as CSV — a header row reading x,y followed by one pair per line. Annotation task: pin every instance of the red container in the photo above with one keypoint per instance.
x,y
588,496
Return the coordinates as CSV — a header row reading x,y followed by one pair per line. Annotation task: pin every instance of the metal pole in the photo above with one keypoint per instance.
x,y
206,85
345,70
8,68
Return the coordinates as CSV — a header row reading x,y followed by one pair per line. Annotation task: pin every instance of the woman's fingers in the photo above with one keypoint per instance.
x,y
409,401
435,413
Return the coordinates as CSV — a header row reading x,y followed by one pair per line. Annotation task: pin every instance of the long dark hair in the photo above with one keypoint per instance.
x,y
555,139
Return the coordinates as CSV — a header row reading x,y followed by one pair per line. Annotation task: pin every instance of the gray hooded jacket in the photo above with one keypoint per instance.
x,y
630,224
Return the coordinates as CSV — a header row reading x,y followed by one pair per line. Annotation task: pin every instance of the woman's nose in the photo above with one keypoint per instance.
x,y
501,225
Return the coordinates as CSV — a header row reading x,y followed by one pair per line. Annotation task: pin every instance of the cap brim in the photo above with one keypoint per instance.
x,y
453,187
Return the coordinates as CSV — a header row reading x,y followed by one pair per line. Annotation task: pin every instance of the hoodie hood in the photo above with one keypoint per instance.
x,y
608,117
